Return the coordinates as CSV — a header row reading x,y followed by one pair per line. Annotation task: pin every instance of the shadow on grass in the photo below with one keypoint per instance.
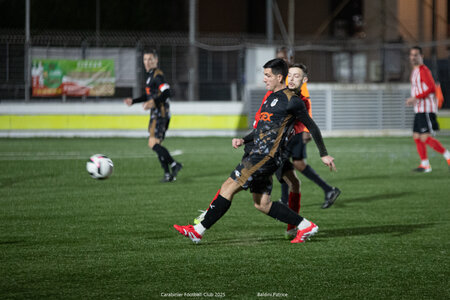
x,y
394,230
341,202
244,241
8,182
371,198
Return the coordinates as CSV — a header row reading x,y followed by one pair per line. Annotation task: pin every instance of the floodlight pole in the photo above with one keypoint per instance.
x,y
269,21
192,59
27,71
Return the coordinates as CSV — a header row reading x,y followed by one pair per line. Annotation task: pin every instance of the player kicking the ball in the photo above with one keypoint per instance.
x,y
278,115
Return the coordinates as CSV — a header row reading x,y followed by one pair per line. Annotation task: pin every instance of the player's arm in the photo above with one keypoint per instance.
x,y
236,142
298,109
130,101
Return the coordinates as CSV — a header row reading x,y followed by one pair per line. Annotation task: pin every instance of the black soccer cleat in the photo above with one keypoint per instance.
x,y
330,197
176,169
167,178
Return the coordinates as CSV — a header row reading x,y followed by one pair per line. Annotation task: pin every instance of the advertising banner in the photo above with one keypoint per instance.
x,y
76,78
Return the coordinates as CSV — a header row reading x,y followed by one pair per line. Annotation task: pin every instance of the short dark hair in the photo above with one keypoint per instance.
x,y
278,66
150,51
303,67
416,48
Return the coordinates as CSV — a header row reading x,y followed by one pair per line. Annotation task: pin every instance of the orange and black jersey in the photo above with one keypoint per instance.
x,y
279,113
158,89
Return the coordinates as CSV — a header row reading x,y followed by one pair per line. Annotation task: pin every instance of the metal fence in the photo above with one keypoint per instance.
x,y
220,61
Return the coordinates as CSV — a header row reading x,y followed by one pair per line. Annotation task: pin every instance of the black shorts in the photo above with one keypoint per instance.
x,y
425,123
286,166
296,147
157,127
255,172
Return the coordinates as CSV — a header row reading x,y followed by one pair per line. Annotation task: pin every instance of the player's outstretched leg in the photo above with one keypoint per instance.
x,y
218,207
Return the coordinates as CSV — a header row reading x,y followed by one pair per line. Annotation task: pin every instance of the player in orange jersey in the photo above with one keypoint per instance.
x,y
302,136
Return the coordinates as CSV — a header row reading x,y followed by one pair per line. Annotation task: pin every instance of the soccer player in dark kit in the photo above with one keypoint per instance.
x,y
278,115
156,98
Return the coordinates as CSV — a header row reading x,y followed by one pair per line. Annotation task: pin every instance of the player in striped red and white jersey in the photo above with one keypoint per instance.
x,y
423,99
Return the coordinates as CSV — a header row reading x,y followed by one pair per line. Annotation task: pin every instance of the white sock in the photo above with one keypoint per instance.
x,y
304,224
447,154
425,163
200,228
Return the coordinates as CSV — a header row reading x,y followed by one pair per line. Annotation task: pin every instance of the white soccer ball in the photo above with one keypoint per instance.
x,y
99,166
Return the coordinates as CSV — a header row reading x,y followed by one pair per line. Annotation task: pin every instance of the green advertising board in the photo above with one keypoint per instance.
x,y
89,77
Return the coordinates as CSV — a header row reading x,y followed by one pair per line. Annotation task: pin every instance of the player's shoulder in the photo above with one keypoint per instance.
x,y
424,68
158,72
290,95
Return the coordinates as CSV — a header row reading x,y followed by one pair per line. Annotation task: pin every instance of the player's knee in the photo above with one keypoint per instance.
x,y
299,165
424,137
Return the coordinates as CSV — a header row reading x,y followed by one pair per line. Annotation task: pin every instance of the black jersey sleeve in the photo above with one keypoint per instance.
x,y
249,137
140,99
161,91
298,108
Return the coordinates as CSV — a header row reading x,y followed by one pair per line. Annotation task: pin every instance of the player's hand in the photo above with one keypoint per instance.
x,y
128,101
411,101
306,137
329,162
236,143
148,105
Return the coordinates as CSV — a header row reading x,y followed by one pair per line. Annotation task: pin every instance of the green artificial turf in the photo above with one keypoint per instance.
x,y
65,235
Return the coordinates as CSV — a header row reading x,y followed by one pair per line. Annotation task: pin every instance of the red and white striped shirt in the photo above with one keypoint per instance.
x,y
423,88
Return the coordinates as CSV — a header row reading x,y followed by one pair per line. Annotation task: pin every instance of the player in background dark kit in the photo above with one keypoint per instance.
x,y
156,98
278,114
423,99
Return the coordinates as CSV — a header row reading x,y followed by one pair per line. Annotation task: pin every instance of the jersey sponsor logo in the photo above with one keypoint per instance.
x,y
265,116
274,102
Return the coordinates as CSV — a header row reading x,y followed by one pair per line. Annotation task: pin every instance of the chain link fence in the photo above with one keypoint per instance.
x,y
219,60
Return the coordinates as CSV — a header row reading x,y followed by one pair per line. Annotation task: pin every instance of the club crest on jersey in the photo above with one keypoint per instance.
x,y
265,116
274,102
